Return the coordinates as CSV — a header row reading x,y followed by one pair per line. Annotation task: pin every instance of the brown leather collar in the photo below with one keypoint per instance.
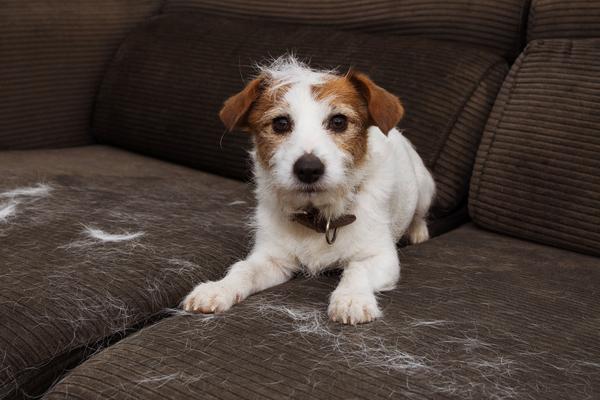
x,y
312,218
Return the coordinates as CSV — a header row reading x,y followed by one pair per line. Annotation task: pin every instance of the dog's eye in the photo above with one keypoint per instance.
x,y
338,123
282,124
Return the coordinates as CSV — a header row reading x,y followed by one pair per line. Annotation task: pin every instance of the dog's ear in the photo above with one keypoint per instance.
x,y
234,113
385,109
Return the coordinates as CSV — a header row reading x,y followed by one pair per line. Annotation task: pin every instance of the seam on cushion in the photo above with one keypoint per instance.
x,y
494,130
523,31
111,66
485,79
531,20
46,378
452,124
77,355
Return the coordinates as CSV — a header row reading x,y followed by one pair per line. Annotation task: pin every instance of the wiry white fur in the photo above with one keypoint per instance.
x,y
111,237
389,193
288,70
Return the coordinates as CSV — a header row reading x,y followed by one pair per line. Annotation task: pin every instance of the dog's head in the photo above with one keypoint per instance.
x,y
310,127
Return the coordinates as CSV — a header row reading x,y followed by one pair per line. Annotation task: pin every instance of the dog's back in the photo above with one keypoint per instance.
x,y
399,177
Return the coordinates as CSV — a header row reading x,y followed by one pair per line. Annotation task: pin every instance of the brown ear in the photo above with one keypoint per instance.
x,y
385,109
235,109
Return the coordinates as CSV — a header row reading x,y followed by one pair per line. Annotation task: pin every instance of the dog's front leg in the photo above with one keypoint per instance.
x,y
259,271
353,301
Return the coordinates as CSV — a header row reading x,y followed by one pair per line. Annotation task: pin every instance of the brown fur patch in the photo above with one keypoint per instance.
x,y
253,110
346,100
235,109
385,109
266,107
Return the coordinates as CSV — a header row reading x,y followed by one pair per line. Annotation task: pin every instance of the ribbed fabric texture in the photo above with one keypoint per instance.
x,y
63,290
454,162
563,19
53,54
497,24
475,316
163,92
537,174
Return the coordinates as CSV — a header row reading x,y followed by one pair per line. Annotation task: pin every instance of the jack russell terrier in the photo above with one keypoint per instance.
x,y
337,185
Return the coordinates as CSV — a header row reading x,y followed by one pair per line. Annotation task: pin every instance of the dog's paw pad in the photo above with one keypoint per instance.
x,y
353,308
211,297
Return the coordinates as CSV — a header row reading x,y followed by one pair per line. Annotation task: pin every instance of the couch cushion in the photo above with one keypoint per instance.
x,y
66,286
496,24
537,174
168,81
476,316
53,56
563,19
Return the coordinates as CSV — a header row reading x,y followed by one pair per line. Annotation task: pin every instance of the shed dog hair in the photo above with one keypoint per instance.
x,y
326,150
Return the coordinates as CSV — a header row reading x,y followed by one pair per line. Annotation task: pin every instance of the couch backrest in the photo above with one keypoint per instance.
x,y
553,19
496,24
162,94
537,173
53,54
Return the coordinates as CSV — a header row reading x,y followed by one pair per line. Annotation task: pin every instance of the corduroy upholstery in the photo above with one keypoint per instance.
x,y
552,19
495,24
476,316
63,292
537,174
162,93
53,54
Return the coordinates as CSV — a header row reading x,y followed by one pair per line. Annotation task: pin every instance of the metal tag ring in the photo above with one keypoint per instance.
x,y
330,239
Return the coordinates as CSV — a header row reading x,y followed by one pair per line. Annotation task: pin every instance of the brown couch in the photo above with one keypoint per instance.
x,y
108,120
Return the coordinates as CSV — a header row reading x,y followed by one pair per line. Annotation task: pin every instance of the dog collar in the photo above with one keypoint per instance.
x,y
312,218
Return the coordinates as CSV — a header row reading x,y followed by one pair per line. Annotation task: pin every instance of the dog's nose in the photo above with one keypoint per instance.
x,y
309,168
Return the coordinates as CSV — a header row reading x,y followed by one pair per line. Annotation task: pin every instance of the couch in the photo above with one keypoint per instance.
x,y
109,123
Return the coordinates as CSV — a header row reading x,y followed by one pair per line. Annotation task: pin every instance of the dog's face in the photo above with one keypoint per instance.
x,y
310,128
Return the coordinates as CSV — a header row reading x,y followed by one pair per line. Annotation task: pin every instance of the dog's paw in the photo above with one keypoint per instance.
x,y
418,232
211,297
353,308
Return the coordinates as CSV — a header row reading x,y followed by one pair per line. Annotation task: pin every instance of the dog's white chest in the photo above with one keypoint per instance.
x,y
316,255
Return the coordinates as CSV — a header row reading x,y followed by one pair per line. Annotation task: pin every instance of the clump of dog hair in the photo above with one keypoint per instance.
x,y
8,210
21,197
105,237
40,190
157,381
236,203
362,348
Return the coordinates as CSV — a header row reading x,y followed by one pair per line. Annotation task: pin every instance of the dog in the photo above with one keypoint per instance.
x,y
337,185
